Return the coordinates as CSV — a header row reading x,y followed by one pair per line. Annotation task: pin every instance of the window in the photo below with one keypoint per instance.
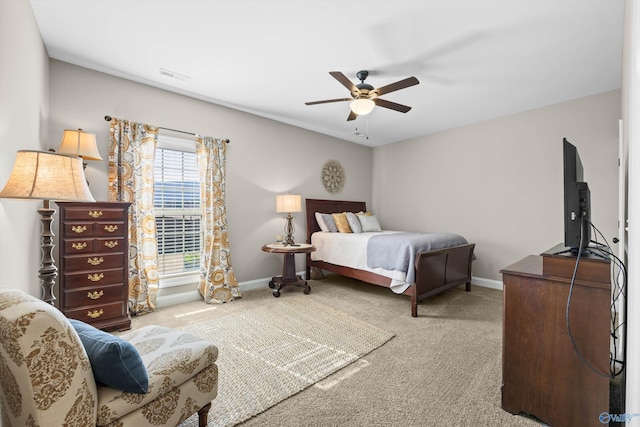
x,y
177,207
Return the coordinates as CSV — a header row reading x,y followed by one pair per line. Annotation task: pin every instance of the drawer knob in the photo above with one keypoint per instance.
x,y
95,294
79,228
110,228
95,214
79,245
111,244
95,313
95,260
95,277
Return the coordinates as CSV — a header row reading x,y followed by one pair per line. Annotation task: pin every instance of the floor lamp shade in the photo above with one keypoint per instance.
x,y
79,143
47,176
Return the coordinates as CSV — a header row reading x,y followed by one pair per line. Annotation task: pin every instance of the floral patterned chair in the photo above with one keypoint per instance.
x,y
46,377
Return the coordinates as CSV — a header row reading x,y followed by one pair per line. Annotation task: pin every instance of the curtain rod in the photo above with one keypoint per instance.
x,y
108,118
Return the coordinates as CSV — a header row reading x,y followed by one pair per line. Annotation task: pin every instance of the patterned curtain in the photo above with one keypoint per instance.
x,y
131,155
218,283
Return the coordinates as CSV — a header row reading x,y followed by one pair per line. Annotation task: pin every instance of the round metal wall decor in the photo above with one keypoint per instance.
x,y
333,176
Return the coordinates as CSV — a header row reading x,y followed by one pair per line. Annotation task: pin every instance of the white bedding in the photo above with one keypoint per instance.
x,y
350,250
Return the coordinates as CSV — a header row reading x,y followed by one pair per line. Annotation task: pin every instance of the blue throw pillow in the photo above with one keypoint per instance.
x,y
354,224
330,223
369,223
116,363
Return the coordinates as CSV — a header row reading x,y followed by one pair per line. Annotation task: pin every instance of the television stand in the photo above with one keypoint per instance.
x,y
586,252
541,373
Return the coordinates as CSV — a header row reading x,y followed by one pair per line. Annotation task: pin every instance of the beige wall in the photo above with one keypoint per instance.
x,y
24,116
264,157
499,182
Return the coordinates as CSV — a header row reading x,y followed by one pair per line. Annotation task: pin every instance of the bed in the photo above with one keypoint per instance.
x,y
435,271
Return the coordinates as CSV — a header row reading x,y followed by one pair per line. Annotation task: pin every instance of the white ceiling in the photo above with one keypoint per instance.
x,y
475,59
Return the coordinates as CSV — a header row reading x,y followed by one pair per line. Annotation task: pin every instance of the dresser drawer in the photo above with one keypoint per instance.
x,y
79,229
92,262
94,278
78,246
94,213
92,296
111,244
98,312
114,228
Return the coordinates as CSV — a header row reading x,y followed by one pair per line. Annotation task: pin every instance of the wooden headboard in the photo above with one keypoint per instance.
x,y
328,206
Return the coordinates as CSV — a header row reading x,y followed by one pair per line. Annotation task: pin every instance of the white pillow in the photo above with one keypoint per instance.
x,y
321,222
369,223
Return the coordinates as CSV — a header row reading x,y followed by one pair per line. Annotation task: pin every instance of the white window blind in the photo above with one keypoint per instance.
x,y
177,211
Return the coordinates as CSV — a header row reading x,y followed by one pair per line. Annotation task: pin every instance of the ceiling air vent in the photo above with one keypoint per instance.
x,y
173,75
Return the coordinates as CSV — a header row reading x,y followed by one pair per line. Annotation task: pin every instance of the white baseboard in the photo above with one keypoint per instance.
x,y
486,283
179,298
194,295
254,284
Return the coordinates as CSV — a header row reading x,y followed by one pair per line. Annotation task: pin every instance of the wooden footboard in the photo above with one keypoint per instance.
x,y
436,272
439,270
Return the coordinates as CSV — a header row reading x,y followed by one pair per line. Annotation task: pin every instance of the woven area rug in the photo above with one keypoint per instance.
x,y
272,352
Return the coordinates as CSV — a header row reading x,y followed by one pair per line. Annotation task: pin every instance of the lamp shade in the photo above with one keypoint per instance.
x,y
79,143
47,176
289,203
362,106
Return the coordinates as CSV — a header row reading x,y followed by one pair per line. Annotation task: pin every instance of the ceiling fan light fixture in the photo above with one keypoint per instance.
x,y
362,106
364,97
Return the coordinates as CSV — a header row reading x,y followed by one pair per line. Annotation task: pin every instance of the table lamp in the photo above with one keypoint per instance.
x,y
47,176
81,144
288,203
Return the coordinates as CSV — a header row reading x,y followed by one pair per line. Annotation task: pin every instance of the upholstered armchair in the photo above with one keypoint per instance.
x,y
47,378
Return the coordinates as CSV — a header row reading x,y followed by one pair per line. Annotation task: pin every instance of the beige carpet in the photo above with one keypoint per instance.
x,y
269,353
442,368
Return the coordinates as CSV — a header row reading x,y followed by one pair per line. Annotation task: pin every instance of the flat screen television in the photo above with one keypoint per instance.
x,y
577,201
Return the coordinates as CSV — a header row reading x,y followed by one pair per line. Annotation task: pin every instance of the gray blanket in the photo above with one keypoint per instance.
x,y
397,251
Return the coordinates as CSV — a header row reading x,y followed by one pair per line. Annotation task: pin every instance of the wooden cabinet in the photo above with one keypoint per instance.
x,y
542,375
94,254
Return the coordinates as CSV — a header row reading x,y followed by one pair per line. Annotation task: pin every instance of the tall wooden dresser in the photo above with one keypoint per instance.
x,y
94,255
542,374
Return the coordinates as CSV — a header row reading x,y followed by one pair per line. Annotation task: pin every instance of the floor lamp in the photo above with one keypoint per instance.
x,y
47,176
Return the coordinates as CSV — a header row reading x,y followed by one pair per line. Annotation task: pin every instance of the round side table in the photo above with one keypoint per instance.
x,y
289,276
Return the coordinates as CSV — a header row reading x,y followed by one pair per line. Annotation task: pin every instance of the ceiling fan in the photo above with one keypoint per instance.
x,y
364,97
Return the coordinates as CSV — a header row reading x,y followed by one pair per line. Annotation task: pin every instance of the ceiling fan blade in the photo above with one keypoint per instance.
x,y
409,81
352,116
328,100
344,81
391,105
